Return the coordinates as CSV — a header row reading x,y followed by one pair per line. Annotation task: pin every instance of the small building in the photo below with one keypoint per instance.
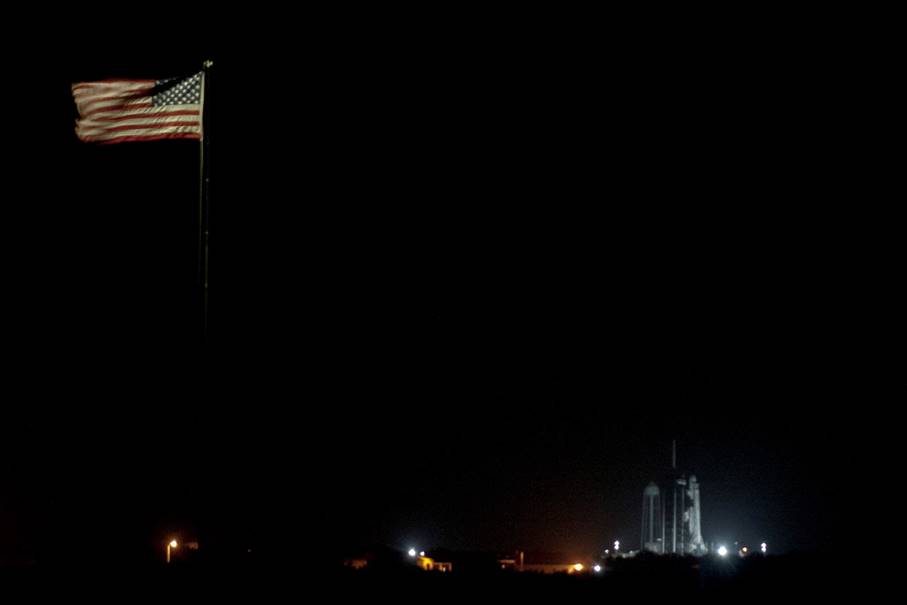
x,y
429,564
550,568
546,563
356,563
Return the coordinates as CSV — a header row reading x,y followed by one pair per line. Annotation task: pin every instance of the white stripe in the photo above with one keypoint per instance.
x,y
141,132
145,119
114,105
88,97
124,102
83,88
88,127
82,100
115,113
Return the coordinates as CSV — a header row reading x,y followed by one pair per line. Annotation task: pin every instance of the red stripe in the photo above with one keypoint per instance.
x,y
121,106
141,126
133,116
127,139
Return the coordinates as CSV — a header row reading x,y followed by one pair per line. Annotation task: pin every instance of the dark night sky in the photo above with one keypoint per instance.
x,y
466,288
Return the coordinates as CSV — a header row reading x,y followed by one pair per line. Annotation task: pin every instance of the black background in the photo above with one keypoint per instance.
x,y
468,281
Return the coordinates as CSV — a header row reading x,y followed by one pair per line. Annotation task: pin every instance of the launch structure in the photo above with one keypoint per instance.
x,y
671,520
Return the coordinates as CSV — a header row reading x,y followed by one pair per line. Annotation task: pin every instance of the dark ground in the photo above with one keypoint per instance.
x,y
710,580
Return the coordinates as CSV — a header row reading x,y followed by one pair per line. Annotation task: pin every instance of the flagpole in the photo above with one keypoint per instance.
x,y
203,203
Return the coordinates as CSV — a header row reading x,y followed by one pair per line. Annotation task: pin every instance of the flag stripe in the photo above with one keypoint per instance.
x,y
115,118
87,91
83,93
160,137
113,83
110,116
85,125
144,104
141,119
86,102
162,130
138,126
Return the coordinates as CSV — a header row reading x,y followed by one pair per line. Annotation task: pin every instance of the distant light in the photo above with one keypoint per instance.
x,y
763,547
616,545
745,550
170,546
421,553
412,552
722,551
597,568
578,567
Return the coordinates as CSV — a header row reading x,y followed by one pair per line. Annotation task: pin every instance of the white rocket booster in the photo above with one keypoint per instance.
x,y
696,544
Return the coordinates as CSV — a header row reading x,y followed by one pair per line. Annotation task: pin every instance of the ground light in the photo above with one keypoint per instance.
x,y
722,551
171,545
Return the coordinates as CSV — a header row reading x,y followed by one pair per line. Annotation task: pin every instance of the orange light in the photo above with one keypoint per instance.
x,y
578,567
173,544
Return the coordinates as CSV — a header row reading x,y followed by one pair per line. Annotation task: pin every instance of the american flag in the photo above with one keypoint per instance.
x,y
120,111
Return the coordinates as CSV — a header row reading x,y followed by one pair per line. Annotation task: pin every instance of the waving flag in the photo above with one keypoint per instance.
x,y
120,111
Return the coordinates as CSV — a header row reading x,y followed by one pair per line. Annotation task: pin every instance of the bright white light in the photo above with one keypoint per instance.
x,y
578,567
722,551
616,545
421,553
597,568
412,552
173,544
763,547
